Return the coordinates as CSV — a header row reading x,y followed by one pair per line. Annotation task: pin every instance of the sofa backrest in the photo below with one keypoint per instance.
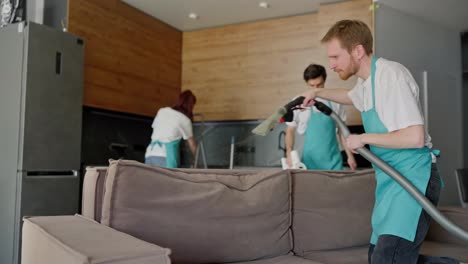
x,y
93,192
331,210
203,216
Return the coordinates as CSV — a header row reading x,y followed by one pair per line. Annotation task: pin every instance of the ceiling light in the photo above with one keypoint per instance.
x,y
263,5
193,16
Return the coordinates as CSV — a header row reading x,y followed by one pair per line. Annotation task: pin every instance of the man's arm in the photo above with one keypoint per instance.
x,y
289,142
410,137
351,160
336,95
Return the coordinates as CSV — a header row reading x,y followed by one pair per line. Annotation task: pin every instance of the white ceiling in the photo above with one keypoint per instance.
x,y
452,14
213,13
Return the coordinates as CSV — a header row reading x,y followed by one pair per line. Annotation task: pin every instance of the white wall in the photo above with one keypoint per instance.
x,y
424,46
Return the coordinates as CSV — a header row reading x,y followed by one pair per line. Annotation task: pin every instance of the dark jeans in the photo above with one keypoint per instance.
x,y
393,249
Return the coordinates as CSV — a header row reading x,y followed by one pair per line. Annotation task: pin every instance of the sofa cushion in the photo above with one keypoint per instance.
x,y
458,252
286,259
332,210
203,216
93,192
353,255
77,240
458,216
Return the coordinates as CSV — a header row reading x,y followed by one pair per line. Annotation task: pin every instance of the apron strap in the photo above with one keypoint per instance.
x,y
436,152
373,70
154,143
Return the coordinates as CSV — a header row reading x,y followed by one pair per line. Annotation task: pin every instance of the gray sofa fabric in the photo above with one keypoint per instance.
x,y
439,242
331,210
206,217
93,192
78,240
352,255
286,259
258,217
438,234
459,252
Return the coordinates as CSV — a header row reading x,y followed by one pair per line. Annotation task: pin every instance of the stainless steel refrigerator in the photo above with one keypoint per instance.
x,y
41,90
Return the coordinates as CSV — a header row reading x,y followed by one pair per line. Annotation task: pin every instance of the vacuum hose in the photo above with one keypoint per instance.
x,y
420,198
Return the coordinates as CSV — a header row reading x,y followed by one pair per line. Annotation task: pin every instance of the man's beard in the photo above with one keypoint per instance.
x,y
349,71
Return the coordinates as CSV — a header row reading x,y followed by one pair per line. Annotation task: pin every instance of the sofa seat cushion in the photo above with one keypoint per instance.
x,y
286,259
332,209
203,216
459,216
458,252
354,255
77,240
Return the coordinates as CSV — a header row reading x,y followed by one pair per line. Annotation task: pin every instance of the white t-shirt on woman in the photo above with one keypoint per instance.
x,y
168,125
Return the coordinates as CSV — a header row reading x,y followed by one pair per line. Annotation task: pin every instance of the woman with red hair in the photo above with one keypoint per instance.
x,y
170,126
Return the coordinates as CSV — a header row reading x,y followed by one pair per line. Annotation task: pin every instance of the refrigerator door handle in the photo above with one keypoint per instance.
x,y
41,173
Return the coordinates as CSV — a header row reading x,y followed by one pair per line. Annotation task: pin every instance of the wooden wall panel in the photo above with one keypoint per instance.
x,y
246,71
132,61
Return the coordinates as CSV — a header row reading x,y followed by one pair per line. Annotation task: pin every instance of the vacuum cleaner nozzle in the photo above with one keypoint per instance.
x,y
266,126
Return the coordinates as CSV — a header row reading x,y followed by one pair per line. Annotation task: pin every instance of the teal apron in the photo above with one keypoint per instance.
x,y
321,151
172,152
395,212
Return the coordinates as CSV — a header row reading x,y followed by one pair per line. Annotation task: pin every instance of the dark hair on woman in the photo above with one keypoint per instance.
x,y
185,103
314,71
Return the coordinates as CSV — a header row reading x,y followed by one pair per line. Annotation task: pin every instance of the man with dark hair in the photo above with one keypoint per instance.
x,y
321,150
314,71
387,96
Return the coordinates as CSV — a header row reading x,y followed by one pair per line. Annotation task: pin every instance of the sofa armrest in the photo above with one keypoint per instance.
x,y
78,240
457,215
93,191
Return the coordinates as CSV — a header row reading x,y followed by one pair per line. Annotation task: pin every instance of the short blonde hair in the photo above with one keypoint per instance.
x,y
350,33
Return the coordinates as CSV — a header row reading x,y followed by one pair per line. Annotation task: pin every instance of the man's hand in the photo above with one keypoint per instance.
x,y
352,162
309,97
354,142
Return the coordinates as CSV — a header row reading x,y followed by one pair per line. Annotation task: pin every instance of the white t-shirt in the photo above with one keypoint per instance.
x,y
301,118
396,97
168,125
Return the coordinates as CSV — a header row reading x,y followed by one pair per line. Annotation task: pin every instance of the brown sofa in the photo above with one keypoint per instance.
x,y
134,213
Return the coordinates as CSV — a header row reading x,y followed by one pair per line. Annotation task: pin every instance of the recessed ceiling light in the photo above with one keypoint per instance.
x,y
193,16
263,5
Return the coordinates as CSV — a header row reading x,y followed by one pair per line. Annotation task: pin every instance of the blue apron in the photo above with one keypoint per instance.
x,y
321,151
395,212
172,152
